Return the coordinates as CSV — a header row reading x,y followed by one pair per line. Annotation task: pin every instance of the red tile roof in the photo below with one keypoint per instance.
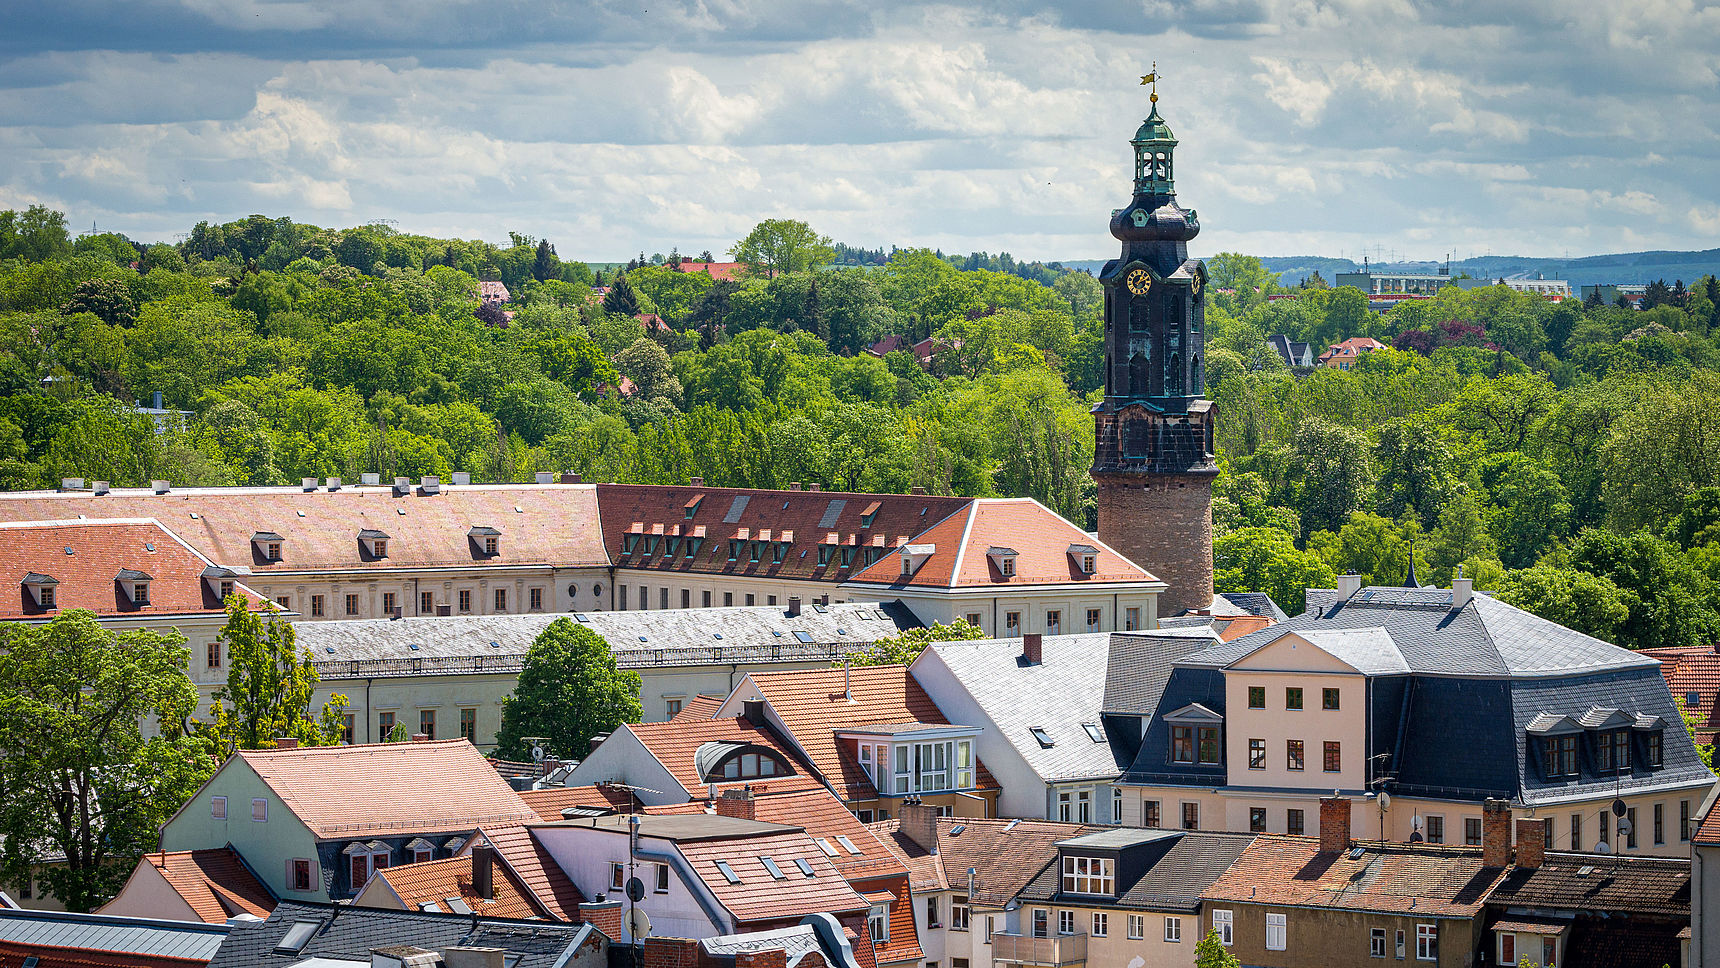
x,y
380,788
1292,872
13,955
804,519
813,706
87,576
554,524
762,897
214,882
716,270
676,743
1004,854
822,816
534,869
1694,670
435,881
698,707
1040,539
549,802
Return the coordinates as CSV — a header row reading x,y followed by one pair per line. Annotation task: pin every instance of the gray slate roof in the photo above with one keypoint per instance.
x,y
1255,603
1174,880
96,932
350,933
671,637
1060,695
1139,663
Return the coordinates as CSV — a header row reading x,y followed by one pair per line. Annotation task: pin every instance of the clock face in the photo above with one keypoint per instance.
x,y
1194,283
1140,281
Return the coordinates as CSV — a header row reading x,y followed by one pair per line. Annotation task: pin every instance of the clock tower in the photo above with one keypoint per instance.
x,y
1153,455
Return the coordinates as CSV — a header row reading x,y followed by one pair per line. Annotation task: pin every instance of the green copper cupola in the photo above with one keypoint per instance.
x,y
1154,146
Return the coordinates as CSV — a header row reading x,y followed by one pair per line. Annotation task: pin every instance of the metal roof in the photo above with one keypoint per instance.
x,y
96,932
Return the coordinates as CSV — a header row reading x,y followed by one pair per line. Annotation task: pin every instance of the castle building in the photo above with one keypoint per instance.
x,y
1153,454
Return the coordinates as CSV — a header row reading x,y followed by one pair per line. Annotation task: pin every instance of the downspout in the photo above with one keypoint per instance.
x,y
995,632
612,588
1114,626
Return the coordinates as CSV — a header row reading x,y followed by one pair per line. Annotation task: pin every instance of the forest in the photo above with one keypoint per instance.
x,y
1561,454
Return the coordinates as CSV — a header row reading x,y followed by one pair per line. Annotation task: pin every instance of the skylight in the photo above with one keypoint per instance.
x,y
847,844
457,905
956,831
824,845
805,868
1094,733
770,865
728,872
297,937
580,617
432,907
803,637
1042,736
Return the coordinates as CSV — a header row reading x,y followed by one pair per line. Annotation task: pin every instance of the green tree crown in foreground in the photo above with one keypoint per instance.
x,y
569,691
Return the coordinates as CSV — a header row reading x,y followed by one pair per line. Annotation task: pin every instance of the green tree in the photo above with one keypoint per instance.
x,y
621,300
1330,465
78,776
569,691
1462,534
1591,604
269,687
1417,469
1671,601
903,649
1693,722
777,245
36,234
1211,953
1267,560
108,299
545,265
647,365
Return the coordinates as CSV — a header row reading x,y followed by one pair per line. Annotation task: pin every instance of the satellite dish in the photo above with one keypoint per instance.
x,y
1603,848
1415,838
1618,808
537,754
638,924
1624,827
1385,800
635,890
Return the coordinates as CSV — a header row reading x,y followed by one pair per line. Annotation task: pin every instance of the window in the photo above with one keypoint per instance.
x,y
1630,835
466,600
1659,824
1293,697
1088,875
427,723
959,913
1577,831
617,877
380,549
426,603
260,810
218,808
1334,757
316,606
215,655
1547,831
422,854
1276,931
1612,751
469,725
1173,928
1101,924
1117,805
348,728
775,871
1210,750
705,599
1293,754
1053,622
1257,754
140,594
285,601
662,885
663,597
1182,744
1043,738
1257,820
1065,922
45,594
1507,948
1131,619
274,552
1549,951
932,912
1377,943
1427,942
1295,823
972,618
1472,831
672,707
1256,697
1221,922
536,599
1559,755
1041,923
1436,829
1328,699
1191,816
1399,941
227,591
490,544
352,604
1092,620
27,889
1149,813
728,599
384,725
502,599
1006,566
388,603
1654,747
1684,820
1138,928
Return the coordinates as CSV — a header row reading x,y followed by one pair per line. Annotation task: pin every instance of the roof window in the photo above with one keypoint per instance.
x,y
775,871
805,868
728,872
805,638
824,845
297,937
1094,733
1042,736
847,844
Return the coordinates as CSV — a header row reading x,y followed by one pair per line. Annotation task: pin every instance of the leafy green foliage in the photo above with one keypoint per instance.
x,y
569,691
903,649
776,246
1209,952
269,687
1267,560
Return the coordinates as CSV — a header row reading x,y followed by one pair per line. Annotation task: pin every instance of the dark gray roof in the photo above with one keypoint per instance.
x,y
98,932
1175,875
1255,603
372,533
37,578
1139,663
131,574
350,933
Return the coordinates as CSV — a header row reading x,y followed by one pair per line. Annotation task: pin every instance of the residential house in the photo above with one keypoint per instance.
x,y
493,293
1118,898
343,936
818,941
1329,902
718,271
1442,698
1344,355
59,939
873,737
472,883
685,760
211,885
1693,675
534,873
1038,700
315,823
1293,352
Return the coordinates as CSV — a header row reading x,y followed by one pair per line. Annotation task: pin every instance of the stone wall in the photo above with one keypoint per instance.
x,y
1162,522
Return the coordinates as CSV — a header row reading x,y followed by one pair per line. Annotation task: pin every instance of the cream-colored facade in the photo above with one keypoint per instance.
x,y
1010,611
489,590
1102,937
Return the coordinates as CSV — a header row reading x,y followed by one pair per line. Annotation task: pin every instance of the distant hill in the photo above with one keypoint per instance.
x,y
1620,267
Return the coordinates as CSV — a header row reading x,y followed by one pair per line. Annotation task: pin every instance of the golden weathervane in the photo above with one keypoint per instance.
x,y
1153,79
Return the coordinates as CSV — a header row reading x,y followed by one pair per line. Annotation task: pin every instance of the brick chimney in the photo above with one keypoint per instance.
x,y
919,823
1531,842
1495,833
484,871
1334,824
286,743
736,803
420,737
597,739
794,610
765,958
606,916
752,710
671,952
1033,648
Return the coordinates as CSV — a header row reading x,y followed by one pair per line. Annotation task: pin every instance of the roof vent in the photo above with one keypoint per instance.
x,y
461,478
308,483
159,487
334,483
71,483
430,485
815,487
371,480
545,477
402,485
99,488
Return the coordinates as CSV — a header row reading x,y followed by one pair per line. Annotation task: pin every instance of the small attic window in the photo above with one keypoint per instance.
x,y
775,871
1094,733
847,844
728,872
1086,557
1007,566
824,845
805,868
1692,698
804,638
1042,736
1004,559
297,937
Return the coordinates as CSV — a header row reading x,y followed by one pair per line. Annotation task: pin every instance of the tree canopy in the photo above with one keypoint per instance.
x,y
569,691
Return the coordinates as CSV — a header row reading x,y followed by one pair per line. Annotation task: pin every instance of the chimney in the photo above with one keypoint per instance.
x,y
98,488
484,871
334,483
465,957
568,478
399,612
402,486
159,487
308,483
1531,842
815,487
420,737
286,743
155,400
1033,648
606,916
596,741
918,490
663,952
736,803
1462,590
1334,824
71,483
794,485
794,606
1495,833
1349,585
370,480
545,477
696,481
752,710
762,958
461,478
430,485
919,823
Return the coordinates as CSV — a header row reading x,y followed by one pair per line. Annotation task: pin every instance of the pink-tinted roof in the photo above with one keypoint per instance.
x,y
1047,549
760,895
676,744
716,270
85,559
1693,671
537,871
215,883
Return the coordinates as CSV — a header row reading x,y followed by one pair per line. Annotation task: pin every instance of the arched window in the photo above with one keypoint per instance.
x,y
1138,375
1174,376
1197,384
720,762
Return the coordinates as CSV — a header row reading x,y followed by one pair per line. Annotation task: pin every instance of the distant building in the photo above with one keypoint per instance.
x,y
1373,282
1344,355
1611,293
1294,353
493,293
718,271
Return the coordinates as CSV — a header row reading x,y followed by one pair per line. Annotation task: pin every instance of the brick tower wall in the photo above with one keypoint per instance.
x,y
1162,522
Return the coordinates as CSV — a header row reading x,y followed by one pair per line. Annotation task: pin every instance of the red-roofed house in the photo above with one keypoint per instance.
x,y
210,885
681,760
1693,675
1344,355
474,881
718,271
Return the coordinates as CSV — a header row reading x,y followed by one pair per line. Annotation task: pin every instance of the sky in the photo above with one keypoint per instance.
x,y
1526,127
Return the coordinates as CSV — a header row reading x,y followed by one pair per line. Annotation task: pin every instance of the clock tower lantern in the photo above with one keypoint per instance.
x,y
1153,456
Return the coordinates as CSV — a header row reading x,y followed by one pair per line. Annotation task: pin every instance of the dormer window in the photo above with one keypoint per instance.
x,y
488,540
1089,875
1612,751
870,514
136,586
1003,559
375,542
42,588
1086,557
915,555
692,507
268,544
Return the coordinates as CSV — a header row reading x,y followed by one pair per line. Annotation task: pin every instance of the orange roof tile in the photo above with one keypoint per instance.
x,y
822,816
549,802
13,954
1291,871
1004,854
1694,670
554,523
536,871
760,896
698,707
214,882
1040,538
676,744
435,881
1236,627
84,558
353,791
718,271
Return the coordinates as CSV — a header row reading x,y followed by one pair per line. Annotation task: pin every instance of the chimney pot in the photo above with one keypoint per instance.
x,y
1033,648
460,478
545,477
160,487
1334,824
286,743
918,490
1531,842
1495,833
919,823
597,740
737,803
333,483
815,487
794,485
794,610
71,483
98,487
402,485
371,480
308,483
420,737
696,481
567,478
430,484
752,710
